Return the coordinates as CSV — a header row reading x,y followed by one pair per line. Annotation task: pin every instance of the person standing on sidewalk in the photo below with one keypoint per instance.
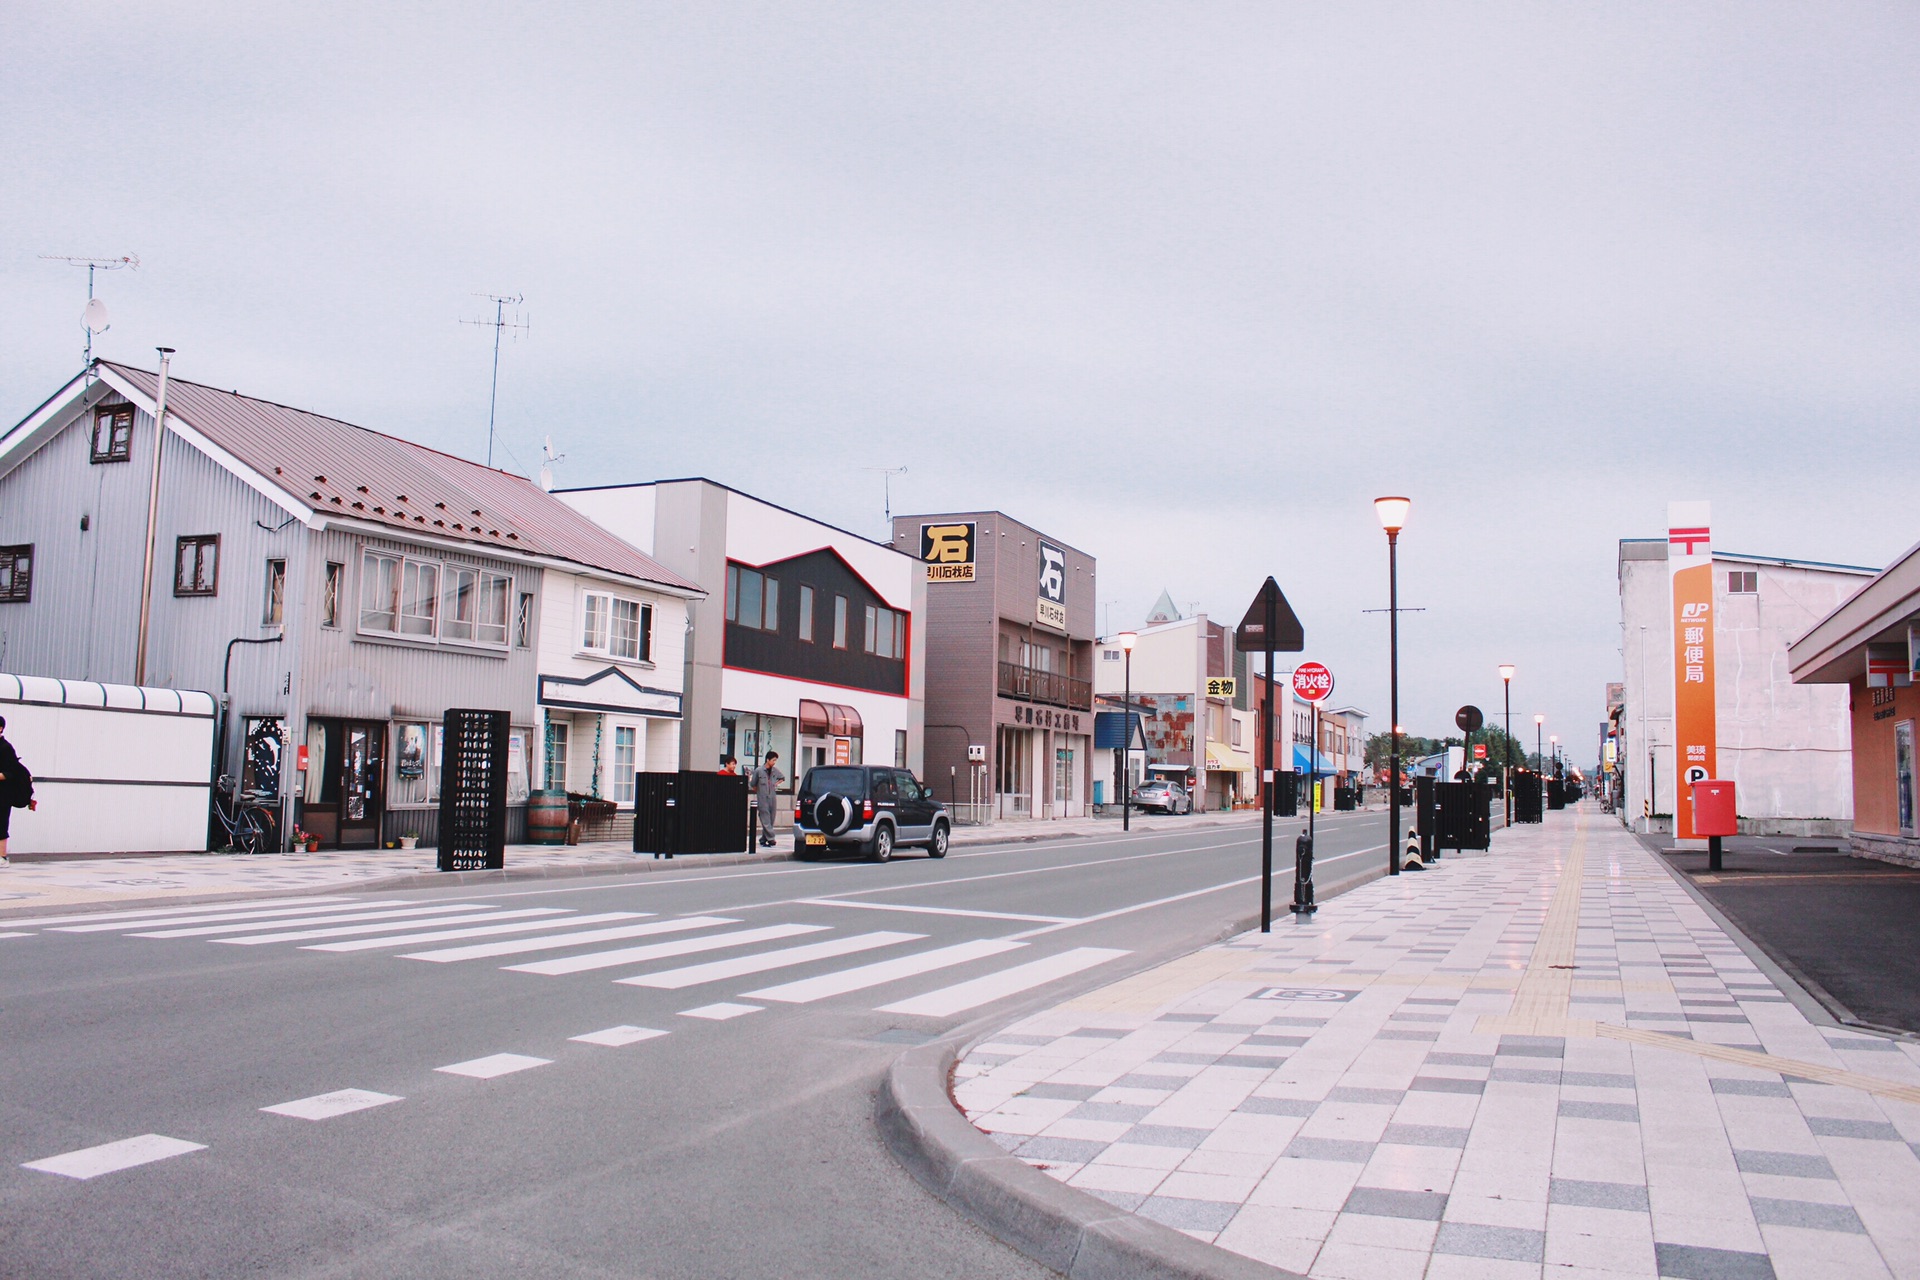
x,y
16,788
766,790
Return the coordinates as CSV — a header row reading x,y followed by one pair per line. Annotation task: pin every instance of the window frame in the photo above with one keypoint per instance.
x,y
839,622
806,613
273,611
332,580
744,582
643,615
523,621
19,585
623,778
197,541
119,444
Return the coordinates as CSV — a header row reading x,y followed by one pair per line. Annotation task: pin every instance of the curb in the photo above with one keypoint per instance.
x,y
1078,1235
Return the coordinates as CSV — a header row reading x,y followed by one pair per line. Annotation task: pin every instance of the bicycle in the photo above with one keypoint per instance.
x,y
249,827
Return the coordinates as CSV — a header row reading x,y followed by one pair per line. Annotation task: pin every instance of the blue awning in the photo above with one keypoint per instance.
x,y
1303,761
1110,731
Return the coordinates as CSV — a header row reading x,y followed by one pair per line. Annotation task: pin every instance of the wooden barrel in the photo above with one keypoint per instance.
x,y
547,817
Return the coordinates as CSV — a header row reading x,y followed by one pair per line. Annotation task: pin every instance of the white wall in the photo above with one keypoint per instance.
x,y
626,511
1166,659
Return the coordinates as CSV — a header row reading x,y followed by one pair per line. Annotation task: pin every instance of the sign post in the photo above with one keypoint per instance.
x,y
1690,573
1270,626
1313,683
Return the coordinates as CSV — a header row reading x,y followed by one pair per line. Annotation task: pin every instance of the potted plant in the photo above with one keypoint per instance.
x,y
305,840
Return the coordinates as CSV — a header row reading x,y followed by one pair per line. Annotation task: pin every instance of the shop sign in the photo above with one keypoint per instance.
x,y
1913,651
948,551
843,750
1046,718
1888,667
1220,686
1049,614
1690,575
1051,609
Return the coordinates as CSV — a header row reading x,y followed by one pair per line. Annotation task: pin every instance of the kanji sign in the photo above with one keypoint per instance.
x,y
947,551
1220,686
1690,574
1312,682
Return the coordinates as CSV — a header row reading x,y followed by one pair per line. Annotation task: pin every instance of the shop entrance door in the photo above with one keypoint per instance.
x,y
346,794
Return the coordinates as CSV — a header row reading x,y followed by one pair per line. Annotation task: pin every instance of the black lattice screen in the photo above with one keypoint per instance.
x,y
473,791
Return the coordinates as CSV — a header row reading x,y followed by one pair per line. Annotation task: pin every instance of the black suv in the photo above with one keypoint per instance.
x,y
866,807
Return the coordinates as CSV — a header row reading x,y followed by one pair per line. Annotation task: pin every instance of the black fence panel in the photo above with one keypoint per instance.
x,y
1286,793
1463,815
473,791
1556,794
1345,799
1528,800
689,812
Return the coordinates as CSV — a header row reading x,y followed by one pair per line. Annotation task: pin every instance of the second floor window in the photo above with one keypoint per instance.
x,y
806,613
753,598
474,605
330,589
276,604
839,622
16,574
196,565
617,627
886,632
113,433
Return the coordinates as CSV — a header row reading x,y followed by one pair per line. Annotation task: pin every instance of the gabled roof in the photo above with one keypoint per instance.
x,y
314,464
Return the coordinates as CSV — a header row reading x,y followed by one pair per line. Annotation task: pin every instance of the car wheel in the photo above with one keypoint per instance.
x,y
937,847
800,851
882,845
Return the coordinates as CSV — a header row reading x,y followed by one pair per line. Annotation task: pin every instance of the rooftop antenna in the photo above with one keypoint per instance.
x,y
886,489
500,304
546,466
94,318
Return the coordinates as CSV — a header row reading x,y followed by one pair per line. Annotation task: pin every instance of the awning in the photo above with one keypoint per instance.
x,y
1304,762
1226,760
1110,731
829,720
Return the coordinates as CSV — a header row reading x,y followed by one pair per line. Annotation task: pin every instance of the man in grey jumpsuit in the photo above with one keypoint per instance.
x,y
766,787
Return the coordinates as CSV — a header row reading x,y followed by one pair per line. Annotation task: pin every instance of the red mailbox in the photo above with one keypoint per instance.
x,y
1713,808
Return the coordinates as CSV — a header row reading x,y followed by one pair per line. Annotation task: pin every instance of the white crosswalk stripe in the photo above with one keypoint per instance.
x,y
553,942
662,950
995,986
111,1157
414,909
197,917
326,1106
154,913
477,931
739,966
394,926
807,990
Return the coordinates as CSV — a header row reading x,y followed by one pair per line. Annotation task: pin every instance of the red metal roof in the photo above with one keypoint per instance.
x,y
363,475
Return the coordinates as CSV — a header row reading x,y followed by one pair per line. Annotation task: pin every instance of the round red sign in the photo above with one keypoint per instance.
x,y
1312,681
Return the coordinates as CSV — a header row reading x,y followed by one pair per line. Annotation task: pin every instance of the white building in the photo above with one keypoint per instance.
x,y
1189,729
1786,747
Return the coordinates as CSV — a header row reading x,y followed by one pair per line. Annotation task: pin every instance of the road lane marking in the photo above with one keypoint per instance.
x,y
807,990
715,970
616,1037
154,912
720,1012
661,950
325,1106
1138,906
477,931
393,926
554,941
933,911
195,917
16,934
995,986
111,1157
494,1065
207,930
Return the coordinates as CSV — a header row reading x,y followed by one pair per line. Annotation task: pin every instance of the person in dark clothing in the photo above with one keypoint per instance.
x,y
16,788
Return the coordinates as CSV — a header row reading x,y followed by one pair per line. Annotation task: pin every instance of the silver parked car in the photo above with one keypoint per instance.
x,y
1162,795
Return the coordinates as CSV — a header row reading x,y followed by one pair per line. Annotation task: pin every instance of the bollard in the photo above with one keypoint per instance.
x,y
753,823
1303,904
1713,853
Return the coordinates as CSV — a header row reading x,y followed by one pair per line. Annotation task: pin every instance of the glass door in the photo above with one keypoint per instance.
x,y
1903,776
362,783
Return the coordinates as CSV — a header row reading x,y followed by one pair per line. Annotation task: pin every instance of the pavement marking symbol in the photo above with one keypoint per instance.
x,y
661,950
807,990
153,913
111,1157
552,941
716,970
196,916
494,1065
251,926
325,1106
936,911
413,921
478,931
1022,977
720,1012
615,1037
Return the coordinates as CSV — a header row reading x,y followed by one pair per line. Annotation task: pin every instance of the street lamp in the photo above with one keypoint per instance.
x,y
1553,740
1506,755
1126,736
1393,518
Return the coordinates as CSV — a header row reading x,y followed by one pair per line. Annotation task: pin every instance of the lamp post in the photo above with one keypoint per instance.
x,y
1126,737
1506,754
1393,518
1553,740
1539,748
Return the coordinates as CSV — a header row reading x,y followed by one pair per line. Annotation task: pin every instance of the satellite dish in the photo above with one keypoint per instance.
x,y
95,316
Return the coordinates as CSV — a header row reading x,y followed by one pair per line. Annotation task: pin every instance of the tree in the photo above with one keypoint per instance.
x,y
1412,747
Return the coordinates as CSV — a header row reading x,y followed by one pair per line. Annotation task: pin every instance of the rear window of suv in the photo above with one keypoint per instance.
x,y
846,782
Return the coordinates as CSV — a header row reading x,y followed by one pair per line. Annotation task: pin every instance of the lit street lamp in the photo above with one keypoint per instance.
x,y
1539,749
1393,518
1126,738
1506,752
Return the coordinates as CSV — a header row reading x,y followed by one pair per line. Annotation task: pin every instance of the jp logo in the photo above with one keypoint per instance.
x,y
1323,995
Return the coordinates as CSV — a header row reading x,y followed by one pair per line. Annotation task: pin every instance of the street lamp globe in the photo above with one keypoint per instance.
x,y
1126,640
1506,671
1392,513
1539,719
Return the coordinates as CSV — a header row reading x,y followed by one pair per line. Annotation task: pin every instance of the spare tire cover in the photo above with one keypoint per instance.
x,y
833,814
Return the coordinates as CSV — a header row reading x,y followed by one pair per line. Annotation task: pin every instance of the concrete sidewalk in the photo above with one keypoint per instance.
x,y
1546,1061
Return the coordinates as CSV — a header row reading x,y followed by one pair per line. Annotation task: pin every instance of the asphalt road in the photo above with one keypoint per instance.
x,y
739,1143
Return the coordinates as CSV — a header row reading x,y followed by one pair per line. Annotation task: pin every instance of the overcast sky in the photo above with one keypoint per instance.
x,y
1186,286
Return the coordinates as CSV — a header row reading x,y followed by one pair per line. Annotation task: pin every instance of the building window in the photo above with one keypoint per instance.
x,y
557,734
474,605
16,574
619,628
196,565
839,622
1743,582
806,613
753,599
1109,655
113,433
419,598
275,612
523,622
886,632
330,594
623,763
899,748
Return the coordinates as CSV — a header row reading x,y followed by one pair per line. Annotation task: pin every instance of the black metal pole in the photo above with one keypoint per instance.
x,y
1393,698
1506,764
1126,750
1266,778
1313,775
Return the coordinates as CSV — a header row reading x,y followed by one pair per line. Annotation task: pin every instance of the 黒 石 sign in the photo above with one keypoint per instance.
x,y
1051,609
947,551
1220,686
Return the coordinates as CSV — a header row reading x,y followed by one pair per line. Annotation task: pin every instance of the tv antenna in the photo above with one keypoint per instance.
x,y
499,322
546,465
94,319
886,490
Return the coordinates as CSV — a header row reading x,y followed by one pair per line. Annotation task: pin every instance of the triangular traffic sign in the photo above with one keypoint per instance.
x,y
1287,636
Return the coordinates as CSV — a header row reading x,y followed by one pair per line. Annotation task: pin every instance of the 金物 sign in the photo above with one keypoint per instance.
x,y
947,551
1220,686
